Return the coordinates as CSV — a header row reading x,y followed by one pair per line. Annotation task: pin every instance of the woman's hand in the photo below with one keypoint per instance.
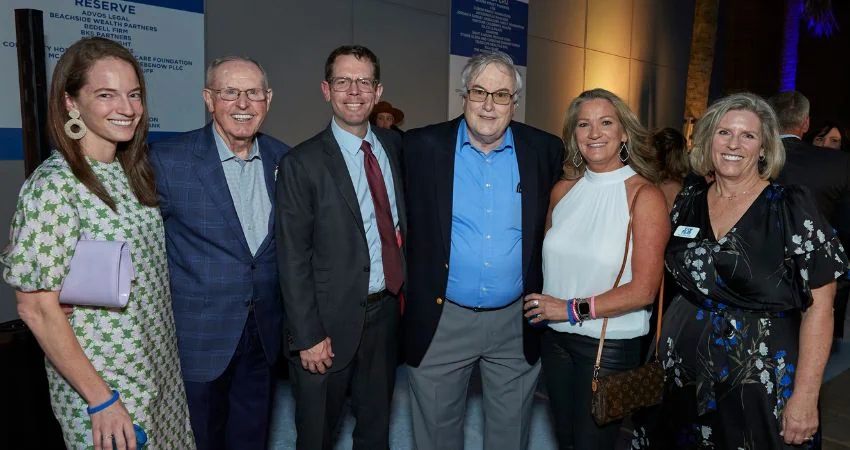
x,y
800,419
540,307
113,423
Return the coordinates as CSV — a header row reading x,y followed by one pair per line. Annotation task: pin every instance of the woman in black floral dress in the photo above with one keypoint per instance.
x,y
746,340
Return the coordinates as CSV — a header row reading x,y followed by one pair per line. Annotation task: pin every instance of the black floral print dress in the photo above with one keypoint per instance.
x,y
730,338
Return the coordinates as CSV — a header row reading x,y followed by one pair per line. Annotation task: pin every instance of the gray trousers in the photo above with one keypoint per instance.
x,y
438,387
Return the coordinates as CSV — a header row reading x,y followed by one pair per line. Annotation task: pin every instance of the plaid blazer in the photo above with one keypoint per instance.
x,y
214,277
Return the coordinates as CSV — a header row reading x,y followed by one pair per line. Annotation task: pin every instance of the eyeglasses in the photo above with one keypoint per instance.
x,y
231,94
499,97
342,84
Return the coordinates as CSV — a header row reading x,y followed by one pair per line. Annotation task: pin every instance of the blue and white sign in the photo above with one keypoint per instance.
x,y
486,25
166,36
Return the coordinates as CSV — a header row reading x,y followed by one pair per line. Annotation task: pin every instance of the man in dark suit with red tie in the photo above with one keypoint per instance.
x,y
340,225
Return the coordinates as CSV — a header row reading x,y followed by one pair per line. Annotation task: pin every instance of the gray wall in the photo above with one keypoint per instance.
x,y
635,48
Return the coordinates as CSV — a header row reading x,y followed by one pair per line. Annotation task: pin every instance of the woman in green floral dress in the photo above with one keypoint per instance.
x,y
99,184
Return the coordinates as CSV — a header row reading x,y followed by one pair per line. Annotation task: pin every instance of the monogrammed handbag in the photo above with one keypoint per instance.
x,y
617,395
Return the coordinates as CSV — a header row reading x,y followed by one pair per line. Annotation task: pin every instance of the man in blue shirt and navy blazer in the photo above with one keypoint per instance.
x,y
477,195
216,192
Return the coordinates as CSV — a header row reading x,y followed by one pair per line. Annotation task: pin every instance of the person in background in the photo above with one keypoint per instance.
x,y
120,363
669,143
825,172
608,184
384,115
341,224
830,135
476,194
216,194
745,341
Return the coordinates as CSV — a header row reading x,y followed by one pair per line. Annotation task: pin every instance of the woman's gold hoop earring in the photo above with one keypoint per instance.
x,y
75,121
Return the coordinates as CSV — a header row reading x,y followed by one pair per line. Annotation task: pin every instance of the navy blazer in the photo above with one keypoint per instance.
x,y
429,160
214,277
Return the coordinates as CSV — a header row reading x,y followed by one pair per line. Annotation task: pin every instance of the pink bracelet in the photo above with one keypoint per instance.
x,y
593,307
575,312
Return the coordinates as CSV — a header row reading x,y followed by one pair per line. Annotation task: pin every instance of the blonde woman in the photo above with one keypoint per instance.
x,y
610,166
745,341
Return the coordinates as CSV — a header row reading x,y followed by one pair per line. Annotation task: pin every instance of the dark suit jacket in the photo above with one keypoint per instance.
x,y
429,156
826,173
214,276
322,252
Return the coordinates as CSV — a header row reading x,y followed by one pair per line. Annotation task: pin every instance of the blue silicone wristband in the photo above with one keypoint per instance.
x,y
570,315
104,405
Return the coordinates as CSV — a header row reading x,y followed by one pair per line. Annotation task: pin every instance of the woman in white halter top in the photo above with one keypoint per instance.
x,y
608,162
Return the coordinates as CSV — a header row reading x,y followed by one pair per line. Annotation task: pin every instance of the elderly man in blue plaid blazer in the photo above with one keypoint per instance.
x,y
216,190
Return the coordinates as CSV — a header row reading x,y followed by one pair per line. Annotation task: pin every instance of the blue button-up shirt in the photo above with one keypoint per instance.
x,y
247,184
350,146
485,264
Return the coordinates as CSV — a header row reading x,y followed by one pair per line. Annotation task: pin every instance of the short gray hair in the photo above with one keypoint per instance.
x,y
211,69
480,61
791,107
774,151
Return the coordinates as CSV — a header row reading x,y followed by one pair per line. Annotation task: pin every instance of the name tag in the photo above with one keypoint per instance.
x,y
686,232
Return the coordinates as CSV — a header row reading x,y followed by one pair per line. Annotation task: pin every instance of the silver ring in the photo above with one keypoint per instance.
x,y
809,438
536,303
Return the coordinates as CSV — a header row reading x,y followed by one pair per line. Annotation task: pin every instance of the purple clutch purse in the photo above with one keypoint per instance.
x,y
101,274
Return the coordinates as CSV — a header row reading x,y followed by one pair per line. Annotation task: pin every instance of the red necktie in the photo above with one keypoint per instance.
x,y
389,243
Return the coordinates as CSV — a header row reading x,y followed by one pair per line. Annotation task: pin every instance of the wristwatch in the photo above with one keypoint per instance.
x,y
583,307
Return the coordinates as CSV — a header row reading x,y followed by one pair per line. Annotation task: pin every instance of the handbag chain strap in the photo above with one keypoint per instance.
x,y
617,283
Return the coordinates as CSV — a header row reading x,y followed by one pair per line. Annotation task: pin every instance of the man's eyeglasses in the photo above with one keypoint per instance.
x,y
499,97
231,94
342,84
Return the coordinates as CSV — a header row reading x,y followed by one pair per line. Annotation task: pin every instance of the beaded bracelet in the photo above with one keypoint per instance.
x,y
96,409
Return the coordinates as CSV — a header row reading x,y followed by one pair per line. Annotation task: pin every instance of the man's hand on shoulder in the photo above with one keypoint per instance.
x,y
318,358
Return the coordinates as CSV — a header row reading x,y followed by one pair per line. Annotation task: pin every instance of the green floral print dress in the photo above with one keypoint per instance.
x,y
133,349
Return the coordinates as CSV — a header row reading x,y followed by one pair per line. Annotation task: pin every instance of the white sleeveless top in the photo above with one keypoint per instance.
x,y
583,251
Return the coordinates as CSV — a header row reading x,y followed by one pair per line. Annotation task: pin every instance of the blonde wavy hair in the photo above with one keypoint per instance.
x,y
774,151
642,157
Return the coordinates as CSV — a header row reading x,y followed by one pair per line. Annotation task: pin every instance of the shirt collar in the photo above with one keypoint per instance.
x,y
224,152
783,136
348,142
507,140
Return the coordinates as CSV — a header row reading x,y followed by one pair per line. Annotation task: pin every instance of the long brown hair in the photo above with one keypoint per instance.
x,y
670,145
642,157
69,76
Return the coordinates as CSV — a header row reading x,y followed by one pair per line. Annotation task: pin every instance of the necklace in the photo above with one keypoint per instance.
x,y
734,195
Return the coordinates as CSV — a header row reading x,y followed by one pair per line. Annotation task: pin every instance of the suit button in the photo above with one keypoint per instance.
x,y
366,268
439,301
253,266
